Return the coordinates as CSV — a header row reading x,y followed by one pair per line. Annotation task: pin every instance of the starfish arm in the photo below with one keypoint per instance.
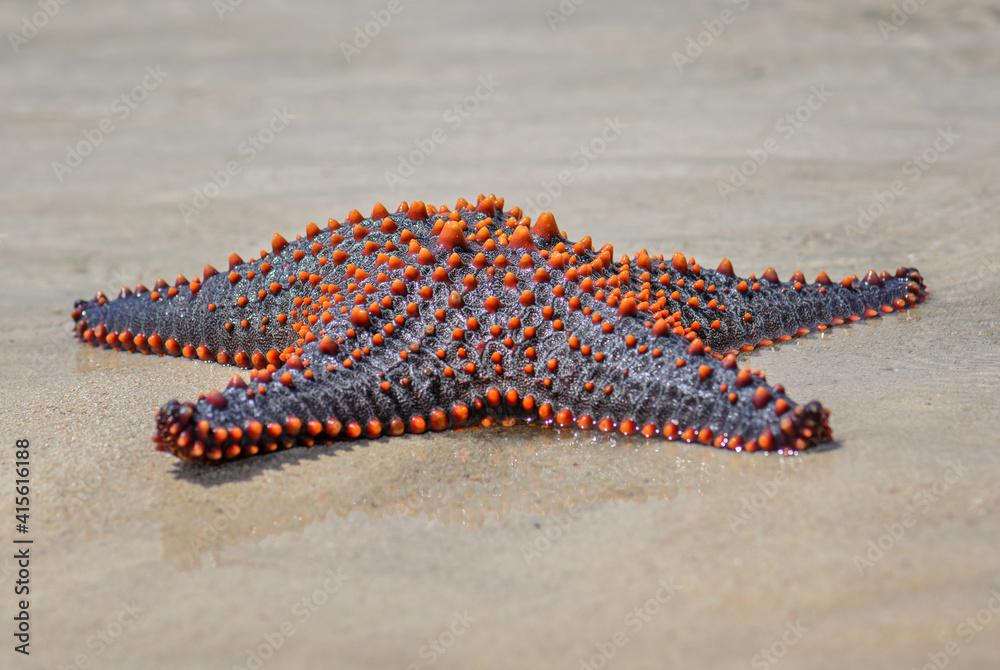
x,y
319,397
783,309
303,403
671,388
668,386
733,313
236,317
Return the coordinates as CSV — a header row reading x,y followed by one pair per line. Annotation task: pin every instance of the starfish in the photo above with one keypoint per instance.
x,y
437,317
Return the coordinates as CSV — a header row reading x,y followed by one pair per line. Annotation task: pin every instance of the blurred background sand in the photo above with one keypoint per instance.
x,y
519,548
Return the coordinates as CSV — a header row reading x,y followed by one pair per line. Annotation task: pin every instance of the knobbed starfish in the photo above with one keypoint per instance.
x,y
438,317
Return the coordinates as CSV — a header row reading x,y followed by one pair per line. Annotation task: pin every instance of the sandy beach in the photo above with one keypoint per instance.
x,y
143,140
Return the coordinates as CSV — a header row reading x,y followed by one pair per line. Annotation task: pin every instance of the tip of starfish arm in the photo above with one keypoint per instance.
x,y
806,426
916,286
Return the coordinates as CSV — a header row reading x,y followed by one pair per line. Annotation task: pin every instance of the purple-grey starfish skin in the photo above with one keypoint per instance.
x,y
437,317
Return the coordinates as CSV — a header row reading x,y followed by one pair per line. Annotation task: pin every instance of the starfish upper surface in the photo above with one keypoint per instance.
x,y
438,317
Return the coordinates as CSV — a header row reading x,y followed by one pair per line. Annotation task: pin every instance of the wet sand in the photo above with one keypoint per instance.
x,y
849,137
